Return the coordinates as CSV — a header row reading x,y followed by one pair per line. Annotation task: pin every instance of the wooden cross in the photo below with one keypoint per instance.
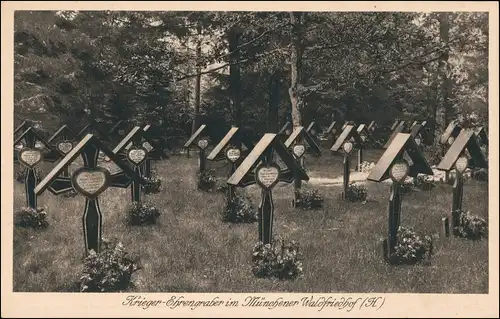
x,y
63,140
401,159
30,156
201,143
90,180
260,167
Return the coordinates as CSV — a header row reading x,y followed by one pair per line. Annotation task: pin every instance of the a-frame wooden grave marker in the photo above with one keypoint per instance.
x,y
400,128
365,137
260,167
63,140
394,125
333,131
296,143
230,148
448,138
90,180
93,128
201,141
285,130
120,129
155,152
132,148
30,156
348,140
464,153
401,159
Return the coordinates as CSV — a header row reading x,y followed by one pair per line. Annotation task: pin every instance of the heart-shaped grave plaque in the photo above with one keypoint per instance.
x,y
233,154
347,147
65,146
399,171
202,144
90,182
299,150
137,155
462,163
30,157
267,176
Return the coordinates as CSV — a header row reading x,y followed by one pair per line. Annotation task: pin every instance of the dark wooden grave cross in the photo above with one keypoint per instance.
x,y
447,138
333,130
364,134
400,128
260,167
30,156
296,143
401,159
120,129
202,143
463,153
132,148
20,129
230,149
63,140
154,150
348,140
90,180
93,128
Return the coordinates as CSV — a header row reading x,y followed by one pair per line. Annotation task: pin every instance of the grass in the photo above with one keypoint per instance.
x,y
192,250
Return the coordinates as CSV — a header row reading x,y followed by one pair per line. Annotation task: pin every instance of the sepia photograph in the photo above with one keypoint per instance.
x,y
255,152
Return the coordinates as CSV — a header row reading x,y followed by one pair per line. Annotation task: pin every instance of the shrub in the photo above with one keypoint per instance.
x,y
240,210
434,153
142,214
411,248
221,186
277,260
29,217
407,186
424,182
480,174
110,270
309,198
356,193
471,226
206,180
152,185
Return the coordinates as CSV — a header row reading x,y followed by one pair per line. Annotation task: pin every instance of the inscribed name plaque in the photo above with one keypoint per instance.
x,y
347,147
147,146
267,176
299,150
399,171
462,163
65,146
91,182
233,154
30,157
202,144
136,155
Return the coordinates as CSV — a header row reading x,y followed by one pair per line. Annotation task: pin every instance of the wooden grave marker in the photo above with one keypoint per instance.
x,y
260,167
90,180
155,152
481,135
450,134
348,140
394,125
63,139
93,128
285,130
465,152
364,134
230,149
401,159
201,141
120,129
296,143
30,156
333,130
400,128
132,148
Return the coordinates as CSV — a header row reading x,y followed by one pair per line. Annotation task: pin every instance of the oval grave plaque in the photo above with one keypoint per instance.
x,y
399,171
233,154
65,146
30,157
148,147
267,176
299,150
90,182
137,155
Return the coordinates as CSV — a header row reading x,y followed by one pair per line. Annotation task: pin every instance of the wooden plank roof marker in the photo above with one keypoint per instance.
x,y
259,167
202,144
399,129
90,180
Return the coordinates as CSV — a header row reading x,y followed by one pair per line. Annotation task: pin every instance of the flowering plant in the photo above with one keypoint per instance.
x,y
277,260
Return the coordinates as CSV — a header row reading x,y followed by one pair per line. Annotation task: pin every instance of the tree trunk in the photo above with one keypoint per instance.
x,y
197,88
295,67
234,76
444,69
274,99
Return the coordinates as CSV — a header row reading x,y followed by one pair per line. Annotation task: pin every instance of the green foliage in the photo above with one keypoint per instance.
x,y
206,180
411,248
153,185
356,193
110,270
309,198
239,210
480,174
277,260
140,213
29,217
471,226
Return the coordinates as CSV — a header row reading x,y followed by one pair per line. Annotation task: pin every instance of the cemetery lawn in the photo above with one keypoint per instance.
x,y
192,250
